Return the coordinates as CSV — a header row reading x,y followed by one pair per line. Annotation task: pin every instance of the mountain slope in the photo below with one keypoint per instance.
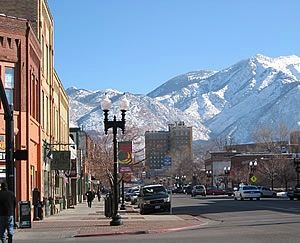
x,y
259,91
144,114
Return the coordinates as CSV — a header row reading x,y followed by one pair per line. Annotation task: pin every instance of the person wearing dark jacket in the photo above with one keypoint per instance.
x,y
7,208
90,197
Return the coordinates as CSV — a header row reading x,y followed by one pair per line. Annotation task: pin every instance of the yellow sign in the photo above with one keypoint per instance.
x,y
2,142
253,179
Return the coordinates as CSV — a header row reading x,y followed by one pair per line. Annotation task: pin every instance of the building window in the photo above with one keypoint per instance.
x,y
9,84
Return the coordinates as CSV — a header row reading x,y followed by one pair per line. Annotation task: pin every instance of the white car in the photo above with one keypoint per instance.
x,y
266,192
245,192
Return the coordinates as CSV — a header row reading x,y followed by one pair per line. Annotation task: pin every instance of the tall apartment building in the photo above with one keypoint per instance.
x,y
52,101
160,146
181,138
156,148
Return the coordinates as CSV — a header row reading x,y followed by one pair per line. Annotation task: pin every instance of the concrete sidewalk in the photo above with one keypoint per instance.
x,y
87,222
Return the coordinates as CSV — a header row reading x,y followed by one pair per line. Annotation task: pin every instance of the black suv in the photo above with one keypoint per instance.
x,y
294,193
154,198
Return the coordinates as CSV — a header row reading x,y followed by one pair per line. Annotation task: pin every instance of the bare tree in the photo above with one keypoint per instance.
x,y
277,167
102,162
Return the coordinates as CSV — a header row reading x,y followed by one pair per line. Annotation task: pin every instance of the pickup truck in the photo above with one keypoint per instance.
x,y
294,192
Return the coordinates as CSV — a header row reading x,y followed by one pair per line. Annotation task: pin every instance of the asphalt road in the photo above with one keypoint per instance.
x,y
267,220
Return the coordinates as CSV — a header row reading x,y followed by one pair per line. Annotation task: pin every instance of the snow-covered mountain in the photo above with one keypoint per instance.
x,y
256,92
144,114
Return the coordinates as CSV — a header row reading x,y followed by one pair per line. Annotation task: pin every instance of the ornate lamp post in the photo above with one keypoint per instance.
x,y
209,175
226,173
115,124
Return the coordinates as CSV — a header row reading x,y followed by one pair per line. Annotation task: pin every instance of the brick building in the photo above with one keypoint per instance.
x,y
20,62
164,149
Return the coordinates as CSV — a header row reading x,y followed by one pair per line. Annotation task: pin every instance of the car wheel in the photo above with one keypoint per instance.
x,y
235,198
242,198
251,199
258,198
291,198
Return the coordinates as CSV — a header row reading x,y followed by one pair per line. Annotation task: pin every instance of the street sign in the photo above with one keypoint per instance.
x,y
253,179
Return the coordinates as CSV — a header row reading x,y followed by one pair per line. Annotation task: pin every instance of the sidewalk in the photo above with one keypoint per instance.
x,y
87,222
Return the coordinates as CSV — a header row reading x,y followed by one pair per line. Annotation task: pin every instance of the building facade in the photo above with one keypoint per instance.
x,y
163,149
20,63
50,112
156,149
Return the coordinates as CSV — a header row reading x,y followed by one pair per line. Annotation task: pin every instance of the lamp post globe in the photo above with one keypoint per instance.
x,y
106,103
123,103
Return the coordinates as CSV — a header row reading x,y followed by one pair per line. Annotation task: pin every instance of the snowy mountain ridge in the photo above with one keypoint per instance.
x,y
257,92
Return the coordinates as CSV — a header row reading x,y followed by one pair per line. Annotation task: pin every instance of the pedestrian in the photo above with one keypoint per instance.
x,y
7,208
89,197
99,195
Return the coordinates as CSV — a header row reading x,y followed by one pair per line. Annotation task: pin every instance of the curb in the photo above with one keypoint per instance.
x,y
140,232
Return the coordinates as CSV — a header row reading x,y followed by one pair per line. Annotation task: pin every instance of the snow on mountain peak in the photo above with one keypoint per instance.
x,y
258,91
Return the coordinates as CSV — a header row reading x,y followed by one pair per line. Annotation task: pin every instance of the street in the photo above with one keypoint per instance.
x,y
268,220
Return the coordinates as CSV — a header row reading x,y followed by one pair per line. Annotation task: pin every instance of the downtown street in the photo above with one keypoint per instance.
x,y
222,220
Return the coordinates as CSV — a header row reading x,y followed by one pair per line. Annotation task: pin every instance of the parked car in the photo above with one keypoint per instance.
x,y
266,192
229,192
212,190
187,189
247,192
134,197
178,189
129,192
281,194
294,192
198,190
154,198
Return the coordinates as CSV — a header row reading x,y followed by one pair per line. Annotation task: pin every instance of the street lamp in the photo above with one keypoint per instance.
x,y
226,173
209,174
114,124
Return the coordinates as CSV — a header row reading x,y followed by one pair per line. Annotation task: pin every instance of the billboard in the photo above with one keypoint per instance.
x,y
125,156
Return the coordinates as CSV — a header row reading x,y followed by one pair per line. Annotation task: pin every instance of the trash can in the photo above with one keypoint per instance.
x,y
24,214
108,205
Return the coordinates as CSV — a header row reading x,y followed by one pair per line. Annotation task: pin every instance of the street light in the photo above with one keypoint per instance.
x,y
226,173
209,174
114,124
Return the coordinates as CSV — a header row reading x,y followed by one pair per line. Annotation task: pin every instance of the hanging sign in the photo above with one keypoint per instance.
x,y
125,156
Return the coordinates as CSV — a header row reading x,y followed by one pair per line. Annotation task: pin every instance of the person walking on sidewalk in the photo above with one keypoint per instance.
x,y
90,197
99,194
7,208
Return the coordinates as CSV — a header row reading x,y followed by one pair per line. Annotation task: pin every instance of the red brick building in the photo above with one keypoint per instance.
x,y
20,60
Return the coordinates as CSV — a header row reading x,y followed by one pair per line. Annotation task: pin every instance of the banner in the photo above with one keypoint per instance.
x,y
125,156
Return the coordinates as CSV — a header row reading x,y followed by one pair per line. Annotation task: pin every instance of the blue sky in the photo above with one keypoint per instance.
x,y
137,45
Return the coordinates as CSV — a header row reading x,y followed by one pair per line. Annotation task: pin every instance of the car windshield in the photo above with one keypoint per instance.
x,y
199,187
154,190
249,188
